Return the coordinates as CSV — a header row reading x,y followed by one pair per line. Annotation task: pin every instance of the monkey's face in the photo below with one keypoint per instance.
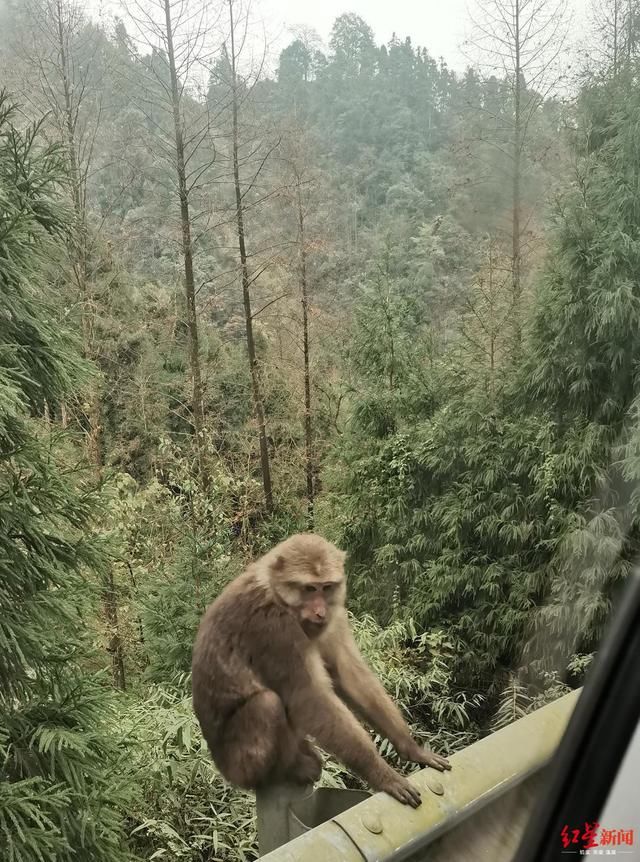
x,y
310,581
317,604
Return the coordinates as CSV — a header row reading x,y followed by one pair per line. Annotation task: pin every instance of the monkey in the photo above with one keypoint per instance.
x,y
275,662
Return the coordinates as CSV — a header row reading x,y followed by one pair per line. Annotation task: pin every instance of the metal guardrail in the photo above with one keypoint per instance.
x,y
476,811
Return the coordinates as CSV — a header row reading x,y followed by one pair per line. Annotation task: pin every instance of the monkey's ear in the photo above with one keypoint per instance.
x,y
278,564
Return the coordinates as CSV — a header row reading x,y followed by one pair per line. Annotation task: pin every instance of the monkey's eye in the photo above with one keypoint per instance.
x,y
327,588
309,588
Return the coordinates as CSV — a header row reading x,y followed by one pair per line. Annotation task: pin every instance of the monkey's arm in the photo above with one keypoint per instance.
x,y
296,673
325,717
363,691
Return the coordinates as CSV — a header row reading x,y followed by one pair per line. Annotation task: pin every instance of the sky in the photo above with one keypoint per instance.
x,y
438,25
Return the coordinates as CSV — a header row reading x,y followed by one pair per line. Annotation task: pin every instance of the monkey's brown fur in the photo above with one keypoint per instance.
x,y
275,662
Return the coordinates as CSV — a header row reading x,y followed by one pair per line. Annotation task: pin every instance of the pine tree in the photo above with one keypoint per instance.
x,y
59,799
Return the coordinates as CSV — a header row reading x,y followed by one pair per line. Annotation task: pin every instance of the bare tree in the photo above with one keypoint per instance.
x,y
616,27
248,159
520,41
59,50
487,307
298,189
304,294
176,32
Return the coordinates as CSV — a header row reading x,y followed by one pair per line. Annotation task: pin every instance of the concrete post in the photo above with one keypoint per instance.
x,y
287,811
272,809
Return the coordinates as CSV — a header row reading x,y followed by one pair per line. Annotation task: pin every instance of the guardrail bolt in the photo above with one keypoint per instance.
x,y
372,823
435,786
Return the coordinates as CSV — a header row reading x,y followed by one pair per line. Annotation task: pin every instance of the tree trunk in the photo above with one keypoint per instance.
x,y
187,253
516,202
79,250
308,429
493,322
81,270
631,28
615,38
246,296
70,131
138,617
110,602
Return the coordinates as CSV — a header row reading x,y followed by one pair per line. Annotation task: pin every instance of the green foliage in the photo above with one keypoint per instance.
x,y
416,670
517,699
507,515
58,798
175,540
514,703
585,334
487,496
183,809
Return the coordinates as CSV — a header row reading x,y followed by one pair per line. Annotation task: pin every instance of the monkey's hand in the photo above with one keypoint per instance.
x,y
400,788
425,757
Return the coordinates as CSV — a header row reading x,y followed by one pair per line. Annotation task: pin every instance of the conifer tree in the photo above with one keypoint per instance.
x,y
59,799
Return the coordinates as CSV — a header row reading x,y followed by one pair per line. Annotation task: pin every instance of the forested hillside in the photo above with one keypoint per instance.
x,y
362,295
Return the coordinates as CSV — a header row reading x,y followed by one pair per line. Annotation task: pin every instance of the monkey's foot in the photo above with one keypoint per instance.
x,y
306,769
